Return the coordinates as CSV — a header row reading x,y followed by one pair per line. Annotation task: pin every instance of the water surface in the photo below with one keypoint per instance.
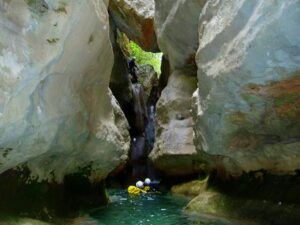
x,y
123,209
148,209
154,209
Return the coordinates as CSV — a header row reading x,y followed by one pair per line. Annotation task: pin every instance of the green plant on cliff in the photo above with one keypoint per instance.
x,y
143,57
131,49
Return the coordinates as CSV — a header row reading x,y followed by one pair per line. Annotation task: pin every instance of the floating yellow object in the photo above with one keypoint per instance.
x,y
133,190
147,188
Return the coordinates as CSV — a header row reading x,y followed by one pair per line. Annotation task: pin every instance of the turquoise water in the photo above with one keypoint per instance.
x,y
123,209
148,209
154,209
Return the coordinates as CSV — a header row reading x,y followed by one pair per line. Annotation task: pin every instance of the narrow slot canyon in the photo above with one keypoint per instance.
x,y
149,112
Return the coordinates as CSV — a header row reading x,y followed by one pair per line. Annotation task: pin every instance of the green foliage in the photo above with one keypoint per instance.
x,y
143,57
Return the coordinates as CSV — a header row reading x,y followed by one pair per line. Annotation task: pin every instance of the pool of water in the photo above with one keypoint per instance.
x,y
154,209
123,209
148,209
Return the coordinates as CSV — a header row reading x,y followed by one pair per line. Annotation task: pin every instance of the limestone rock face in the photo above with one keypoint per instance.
x,y
57,115
176,25
174,152
148,78
248,109
136,19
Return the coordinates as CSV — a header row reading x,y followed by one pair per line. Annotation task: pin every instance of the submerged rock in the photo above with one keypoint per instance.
x,y
57,114
136,19
174,152
248,109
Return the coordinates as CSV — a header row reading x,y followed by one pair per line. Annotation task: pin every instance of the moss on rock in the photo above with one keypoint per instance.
x,y
256,196
263,212
190,189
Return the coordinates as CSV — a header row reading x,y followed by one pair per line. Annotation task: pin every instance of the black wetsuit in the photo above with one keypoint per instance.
x,y
154,185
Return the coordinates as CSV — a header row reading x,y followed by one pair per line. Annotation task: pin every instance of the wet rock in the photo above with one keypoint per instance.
x,y
190,189
137,152
48,200
247,112
176,26
174,152
84,220
140,109
226,206
23,221
57,114
135,19
138,158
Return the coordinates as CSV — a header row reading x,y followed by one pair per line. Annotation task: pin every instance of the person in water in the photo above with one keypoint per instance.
x,y
137,189
143,187
133,70
152,185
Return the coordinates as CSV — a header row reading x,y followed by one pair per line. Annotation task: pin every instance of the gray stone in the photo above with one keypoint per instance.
x,y
248,110
57,114
136,19
176,26
174,152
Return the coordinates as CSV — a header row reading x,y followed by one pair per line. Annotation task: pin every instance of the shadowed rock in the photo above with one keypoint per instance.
x,y
136,19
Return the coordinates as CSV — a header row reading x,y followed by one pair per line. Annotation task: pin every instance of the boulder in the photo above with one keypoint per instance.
x,y
57,114
248,109
174,152
135,18
190,189
241,210
176,26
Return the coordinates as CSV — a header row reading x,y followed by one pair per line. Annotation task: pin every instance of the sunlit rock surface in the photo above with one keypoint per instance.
x,y
174,152
57,115
176,26
248,112
136,19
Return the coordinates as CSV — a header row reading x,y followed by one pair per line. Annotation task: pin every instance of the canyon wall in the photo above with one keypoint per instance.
x,y
176,25
246,107
135,18
57,114
245,111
